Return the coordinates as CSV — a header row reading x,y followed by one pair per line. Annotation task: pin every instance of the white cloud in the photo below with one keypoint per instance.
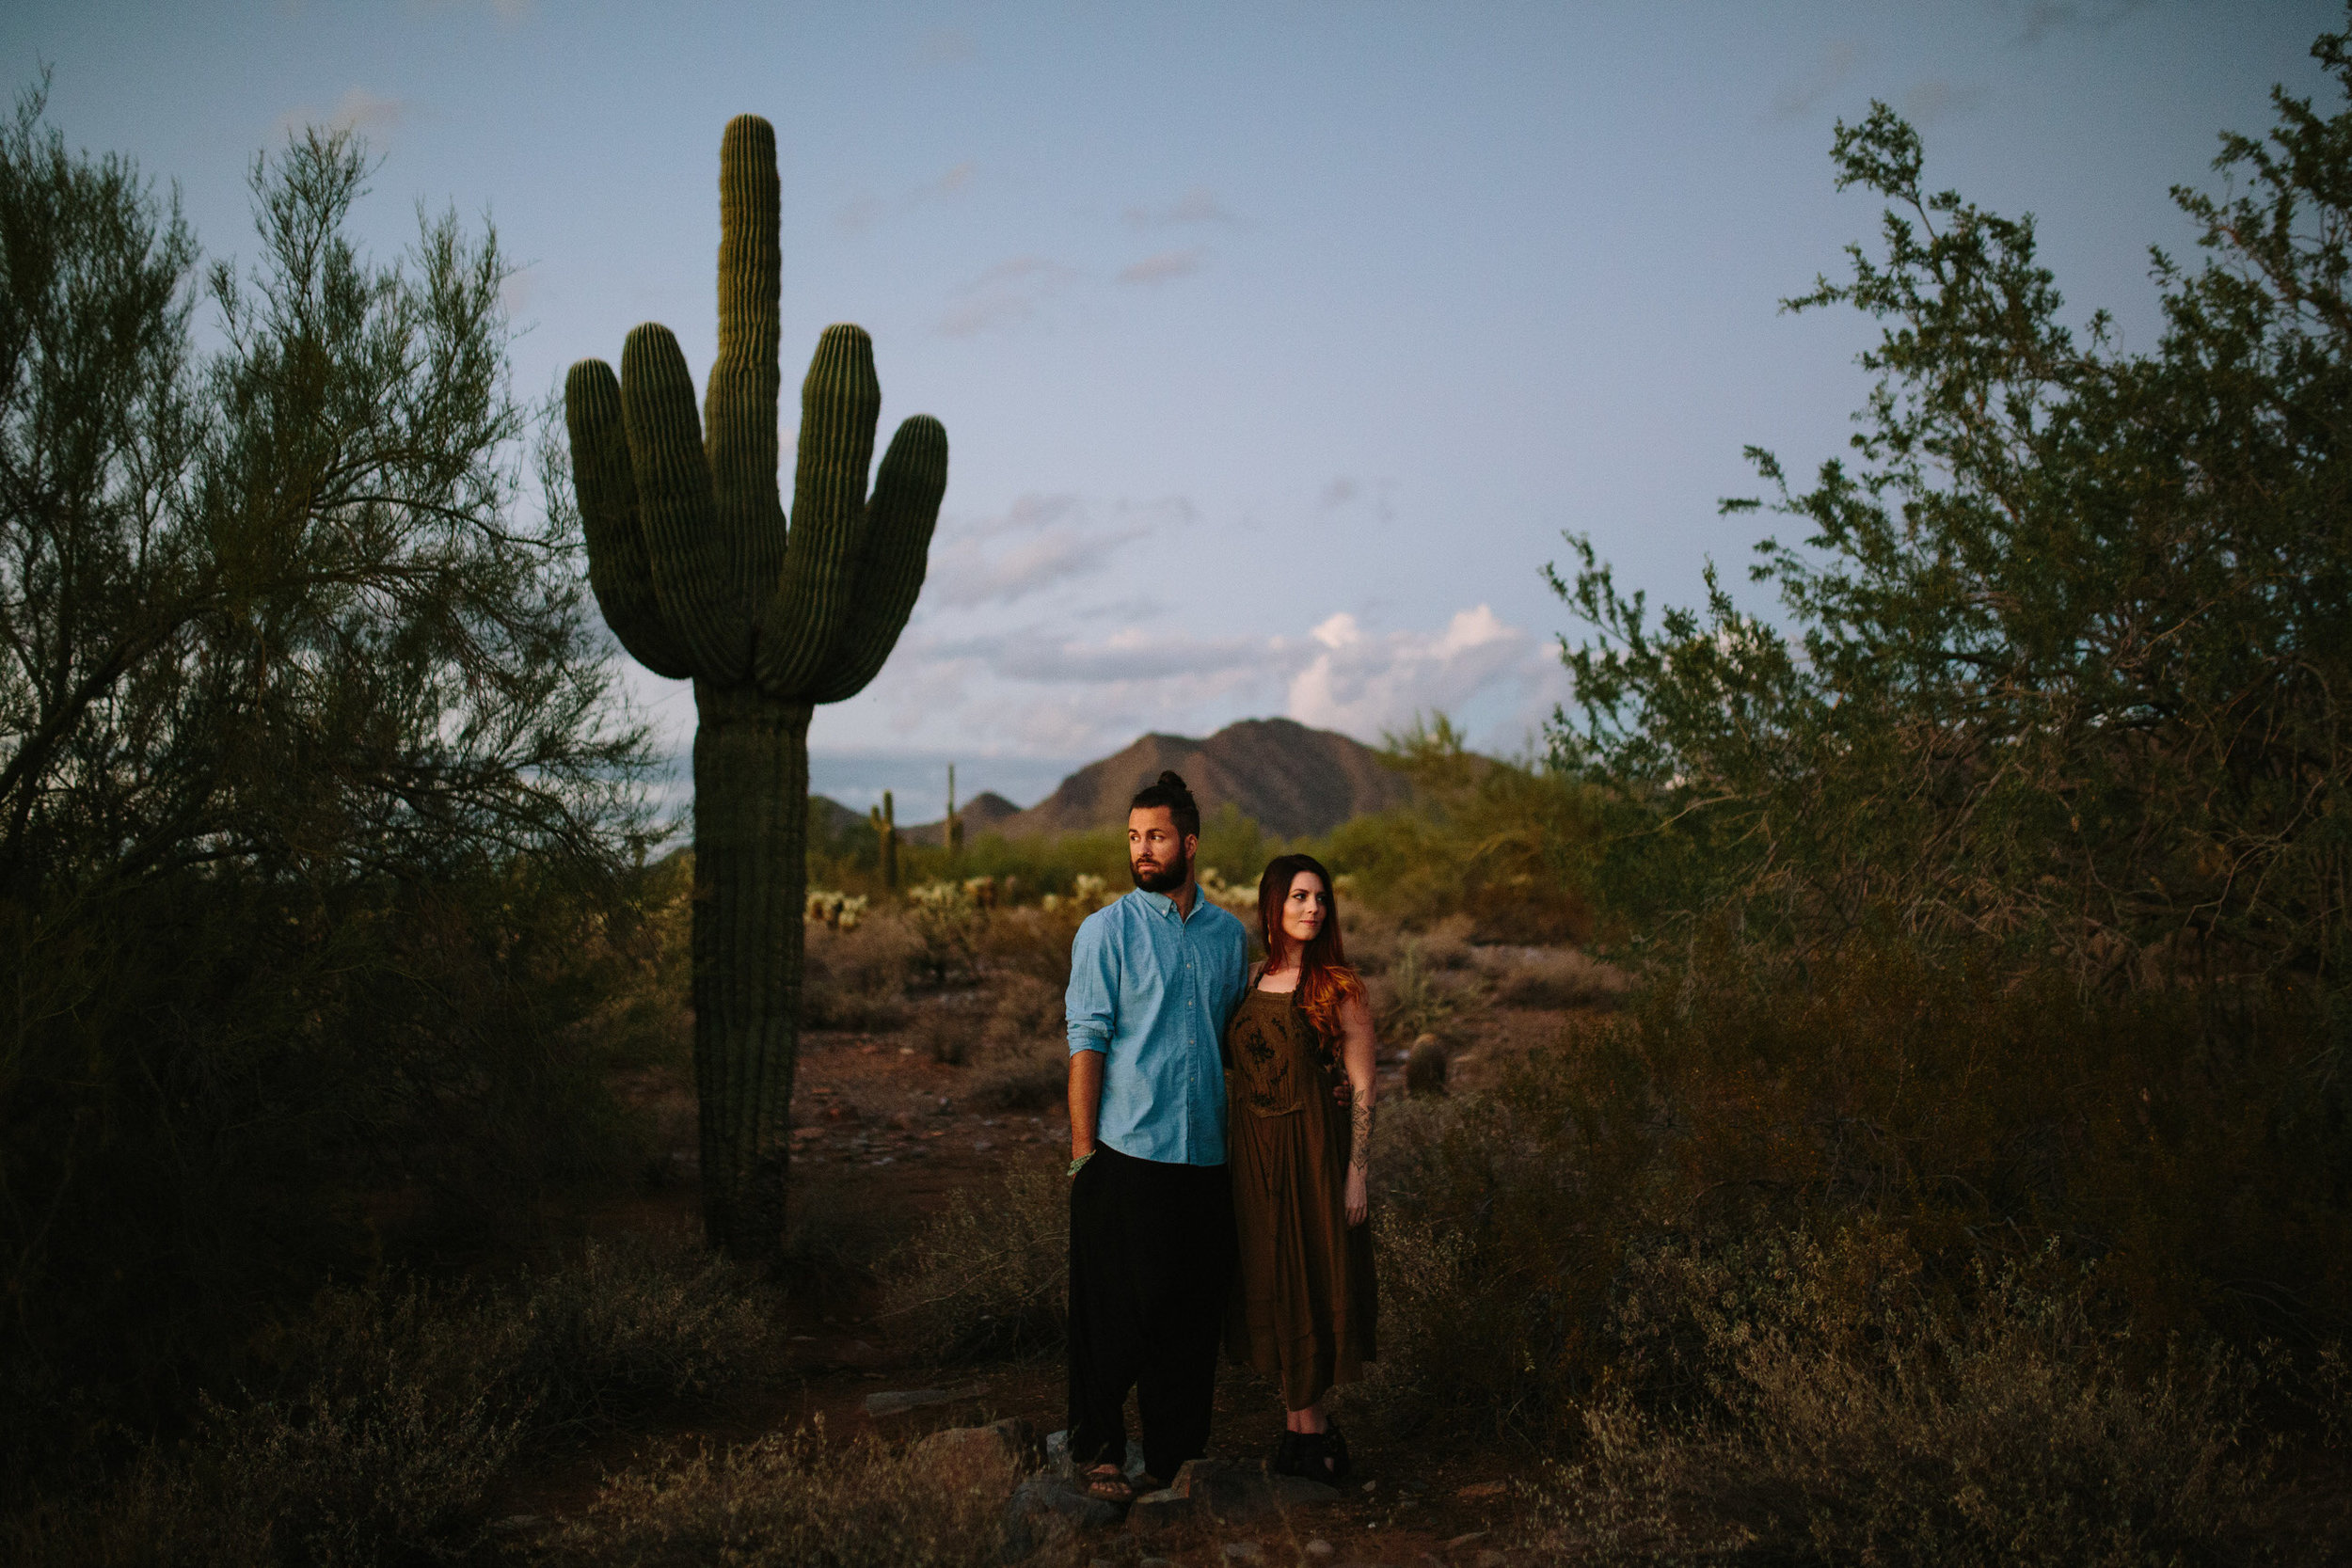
x,y
358,110
1166,265
1006,294
1051,687
1364,684
1936,99
1039,542
1197,205
1798,98
865,210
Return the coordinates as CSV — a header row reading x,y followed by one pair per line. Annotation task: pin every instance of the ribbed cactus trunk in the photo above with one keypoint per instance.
x,y
751,880
698,575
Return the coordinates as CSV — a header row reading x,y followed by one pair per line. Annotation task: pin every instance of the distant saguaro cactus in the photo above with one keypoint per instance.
x,y
885,820
692,565
954,822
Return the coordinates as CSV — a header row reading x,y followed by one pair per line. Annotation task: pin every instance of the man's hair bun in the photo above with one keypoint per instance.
x,y
1170,791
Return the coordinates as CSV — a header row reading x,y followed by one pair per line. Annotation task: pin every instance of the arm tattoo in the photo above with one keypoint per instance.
x,y
1359,1151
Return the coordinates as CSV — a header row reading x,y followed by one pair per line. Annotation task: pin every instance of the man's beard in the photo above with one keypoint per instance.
x,y
1168,879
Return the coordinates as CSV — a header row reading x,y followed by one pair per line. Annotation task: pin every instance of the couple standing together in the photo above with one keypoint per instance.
x,y
1220,1131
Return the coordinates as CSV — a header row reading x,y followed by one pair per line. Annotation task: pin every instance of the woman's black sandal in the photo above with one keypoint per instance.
x,y
1286,1455
1323,1456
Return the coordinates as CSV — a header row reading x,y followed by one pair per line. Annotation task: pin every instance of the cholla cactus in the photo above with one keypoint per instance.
x,y
839,911
698,575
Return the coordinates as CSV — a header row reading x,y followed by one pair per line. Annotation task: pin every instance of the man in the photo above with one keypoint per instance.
x,y
1153,979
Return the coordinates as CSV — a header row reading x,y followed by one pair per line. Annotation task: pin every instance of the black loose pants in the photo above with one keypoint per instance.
x,y
1151,1261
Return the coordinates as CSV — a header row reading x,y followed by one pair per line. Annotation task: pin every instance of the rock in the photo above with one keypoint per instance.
x,y
1044,1505
1244,1551
898,1401
1484,1489
1424,1067
1228,1495
1492,1559
1051,1495
1007,1447
1461,1541
1156,1516
515,1522
1319,1548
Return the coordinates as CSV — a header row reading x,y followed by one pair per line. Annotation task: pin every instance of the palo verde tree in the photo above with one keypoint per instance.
x,y
284,656
2070,633
698,577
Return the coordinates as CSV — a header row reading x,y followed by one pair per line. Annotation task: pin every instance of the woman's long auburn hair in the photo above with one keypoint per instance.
x,y
1325,980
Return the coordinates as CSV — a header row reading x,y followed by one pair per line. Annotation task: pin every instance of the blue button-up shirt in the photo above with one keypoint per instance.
x,y
1152,989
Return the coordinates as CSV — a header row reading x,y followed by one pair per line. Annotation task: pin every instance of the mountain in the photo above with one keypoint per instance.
x,y
985,812
1297,782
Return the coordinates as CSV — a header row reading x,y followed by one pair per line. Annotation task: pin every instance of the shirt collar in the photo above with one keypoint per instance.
x,y
1162,904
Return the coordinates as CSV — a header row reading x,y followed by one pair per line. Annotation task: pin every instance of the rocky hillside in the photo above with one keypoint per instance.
x,y
1294,780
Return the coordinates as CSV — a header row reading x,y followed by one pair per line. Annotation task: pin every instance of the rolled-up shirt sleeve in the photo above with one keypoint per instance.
x,y
1090,1006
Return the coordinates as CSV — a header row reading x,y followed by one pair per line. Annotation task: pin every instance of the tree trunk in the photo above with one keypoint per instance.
x,y
751,880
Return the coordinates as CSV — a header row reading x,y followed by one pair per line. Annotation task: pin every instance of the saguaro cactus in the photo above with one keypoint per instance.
x,y
693,564
884,819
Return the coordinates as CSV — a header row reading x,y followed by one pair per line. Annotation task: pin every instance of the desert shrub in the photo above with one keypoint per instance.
x,y
799,1501
2187,1160
1024,1009
949,1030
1415,997
1031,1075
1552,977
989,1276
946,922
1499,1220
857,978
387,1417
1794,1400
1033,941
1506,847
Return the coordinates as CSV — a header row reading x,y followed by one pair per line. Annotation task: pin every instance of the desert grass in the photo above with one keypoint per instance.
x,y
988,1278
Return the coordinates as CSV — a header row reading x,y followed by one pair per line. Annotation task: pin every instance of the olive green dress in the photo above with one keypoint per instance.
x,y
1303,1301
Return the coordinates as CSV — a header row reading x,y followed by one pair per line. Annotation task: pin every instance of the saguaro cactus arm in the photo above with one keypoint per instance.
x,y
892,557
740,405
691,562
840,400
618,569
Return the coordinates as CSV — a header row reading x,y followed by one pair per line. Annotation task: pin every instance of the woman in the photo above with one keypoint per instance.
x,y
1299,1142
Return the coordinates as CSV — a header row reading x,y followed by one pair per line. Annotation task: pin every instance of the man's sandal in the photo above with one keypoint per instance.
x,y
1110,1483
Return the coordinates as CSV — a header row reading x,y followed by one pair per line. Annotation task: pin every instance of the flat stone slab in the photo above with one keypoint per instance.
x,y
1224,1493
901,1400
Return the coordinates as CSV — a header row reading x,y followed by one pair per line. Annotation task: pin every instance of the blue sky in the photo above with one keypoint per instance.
x,y
1276,342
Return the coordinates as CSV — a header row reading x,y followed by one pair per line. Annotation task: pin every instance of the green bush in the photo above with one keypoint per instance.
x,y
1505,846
